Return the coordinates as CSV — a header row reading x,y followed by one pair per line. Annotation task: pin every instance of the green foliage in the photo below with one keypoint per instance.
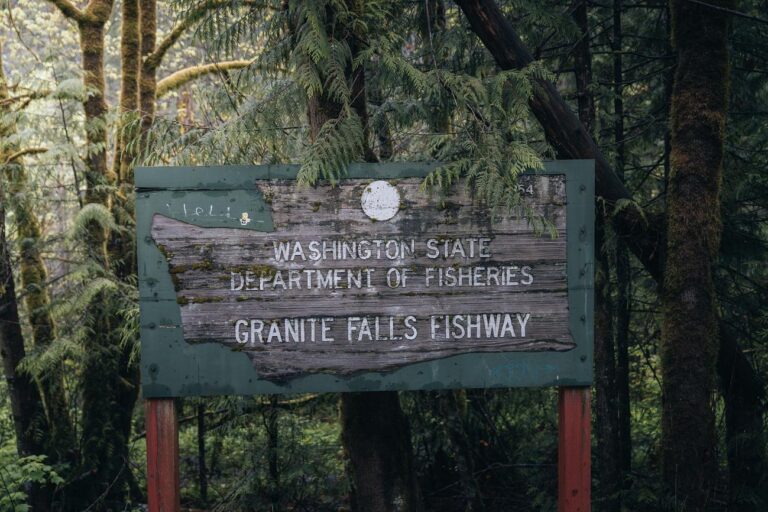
x,y
338,144
17,474
310,463
88,216
432,93
491,449
308,54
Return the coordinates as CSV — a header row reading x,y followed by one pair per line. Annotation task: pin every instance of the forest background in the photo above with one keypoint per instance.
x,y
670,99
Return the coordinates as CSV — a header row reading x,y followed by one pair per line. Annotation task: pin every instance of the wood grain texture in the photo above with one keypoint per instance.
x,y
574,472
163,493
520,285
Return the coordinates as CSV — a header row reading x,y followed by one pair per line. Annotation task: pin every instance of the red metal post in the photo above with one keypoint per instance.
x,y
573,466
162,456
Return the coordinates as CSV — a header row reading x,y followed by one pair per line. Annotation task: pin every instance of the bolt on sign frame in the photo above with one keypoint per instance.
x,y
252,284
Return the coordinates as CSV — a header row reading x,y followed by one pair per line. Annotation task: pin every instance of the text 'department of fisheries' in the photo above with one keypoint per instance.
x,y
365,276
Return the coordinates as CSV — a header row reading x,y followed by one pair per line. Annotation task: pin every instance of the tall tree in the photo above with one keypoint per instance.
x,y
606,418
623,278
689,343
375,431
60,441
26,404
642,235
36,406
123,254
109,385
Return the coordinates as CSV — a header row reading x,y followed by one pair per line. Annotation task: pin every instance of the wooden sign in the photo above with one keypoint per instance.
x,y
251,284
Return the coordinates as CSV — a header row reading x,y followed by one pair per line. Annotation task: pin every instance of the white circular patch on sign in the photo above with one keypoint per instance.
x,y
380,200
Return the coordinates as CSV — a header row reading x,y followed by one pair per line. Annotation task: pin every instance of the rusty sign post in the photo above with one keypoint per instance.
x,y
252,284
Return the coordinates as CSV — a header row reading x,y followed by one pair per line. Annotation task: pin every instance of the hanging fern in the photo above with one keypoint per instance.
x,y
89,215
338,144
437,105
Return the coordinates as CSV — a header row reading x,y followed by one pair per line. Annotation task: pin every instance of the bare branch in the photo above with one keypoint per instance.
x,y
733,12
22,152
153,60
69,10
98,11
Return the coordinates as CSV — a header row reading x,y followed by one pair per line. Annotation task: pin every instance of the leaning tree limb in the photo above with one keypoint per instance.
x,y
184,76
641,232
568,136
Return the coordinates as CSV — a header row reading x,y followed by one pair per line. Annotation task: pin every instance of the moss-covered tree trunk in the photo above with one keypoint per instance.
x,y
59,441
100,440
99,181
149,63
108,403
26,404
130,68
689,344
123,253
108,387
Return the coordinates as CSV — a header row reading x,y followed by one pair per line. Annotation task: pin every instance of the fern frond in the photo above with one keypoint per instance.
x,y
339,143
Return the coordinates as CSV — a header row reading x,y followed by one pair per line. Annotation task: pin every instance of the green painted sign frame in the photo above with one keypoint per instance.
x,y
170,367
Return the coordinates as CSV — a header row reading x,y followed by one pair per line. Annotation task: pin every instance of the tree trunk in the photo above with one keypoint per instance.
x,y
26,404
271,416
375,431
130,66
377,440
623,277
122,247
606,414
360,104
108,386
202,472
744,435
582,61
148,78
97,178
689,343
644,239
59,441
606,417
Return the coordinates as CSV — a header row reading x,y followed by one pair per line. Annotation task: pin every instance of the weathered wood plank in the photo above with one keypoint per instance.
x,y
324,292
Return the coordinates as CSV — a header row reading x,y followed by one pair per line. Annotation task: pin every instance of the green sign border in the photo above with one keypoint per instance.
x,y
170,367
